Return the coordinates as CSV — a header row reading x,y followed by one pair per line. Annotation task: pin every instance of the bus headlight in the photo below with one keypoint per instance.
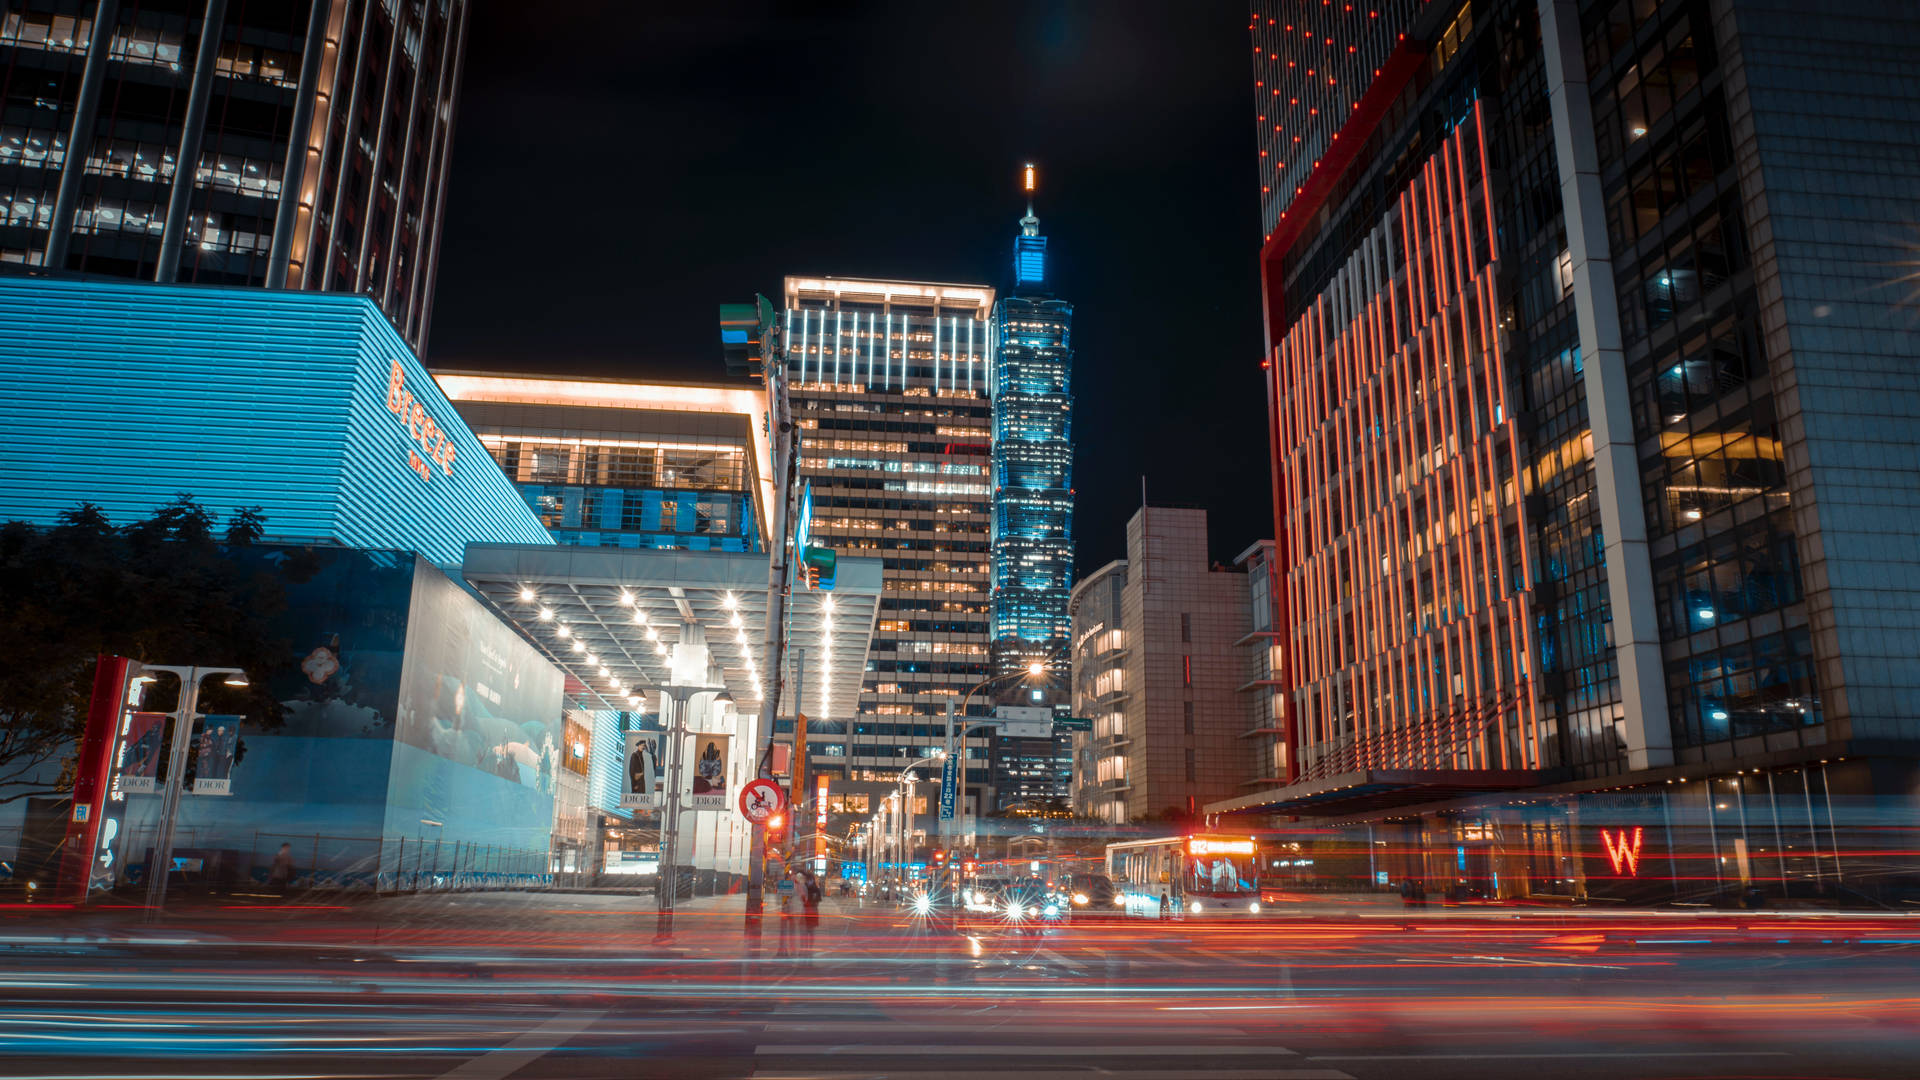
x,y
1119,899
1254,907
1194,907
1080,898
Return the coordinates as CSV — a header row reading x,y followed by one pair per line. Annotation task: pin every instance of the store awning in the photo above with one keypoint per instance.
x,y
1369,791
609,618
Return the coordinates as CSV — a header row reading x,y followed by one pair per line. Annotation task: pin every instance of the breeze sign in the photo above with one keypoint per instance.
x,y
421,428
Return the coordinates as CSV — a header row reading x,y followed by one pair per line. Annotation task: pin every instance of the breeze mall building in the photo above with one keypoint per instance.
x,y
457,684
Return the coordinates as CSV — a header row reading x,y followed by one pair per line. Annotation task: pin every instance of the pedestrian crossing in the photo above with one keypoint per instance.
x,y
823,1051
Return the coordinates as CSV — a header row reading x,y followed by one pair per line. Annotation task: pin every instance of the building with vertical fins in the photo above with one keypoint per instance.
x,y
1032,388
1594,430
889,384
298,144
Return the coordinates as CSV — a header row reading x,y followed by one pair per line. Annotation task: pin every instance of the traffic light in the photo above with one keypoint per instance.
x,y
817,566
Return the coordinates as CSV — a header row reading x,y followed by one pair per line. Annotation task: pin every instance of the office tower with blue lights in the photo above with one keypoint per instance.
x,y
1032,465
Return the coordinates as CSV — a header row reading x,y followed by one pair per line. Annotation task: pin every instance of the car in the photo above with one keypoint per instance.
x,y
1093,894
988,894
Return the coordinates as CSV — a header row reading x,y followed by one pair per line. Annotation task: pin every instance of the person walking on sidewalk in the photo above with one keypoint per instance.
x,y
789,891
810,905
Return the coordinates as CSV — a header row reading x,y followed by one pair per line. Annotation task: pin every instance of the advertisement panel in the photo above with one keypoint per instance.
x,y
640,781
145,746
213,755
473,692
710,770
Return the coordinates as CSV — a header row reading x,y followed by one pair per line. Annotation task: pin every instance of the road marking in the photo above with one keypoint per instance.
x,y
528,1048
1052,957
1063,1074
1004,1050
1552,1056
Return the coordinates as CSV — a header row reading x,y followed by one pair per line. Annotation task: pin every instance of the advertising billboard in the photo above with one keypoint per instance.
x,y
145,746
640,779
710,770
473,692
213,755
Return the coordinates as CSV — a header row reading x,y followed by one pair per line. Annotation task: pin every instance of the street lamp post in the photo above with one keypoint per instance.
x,y
160,867
667,883
1034,669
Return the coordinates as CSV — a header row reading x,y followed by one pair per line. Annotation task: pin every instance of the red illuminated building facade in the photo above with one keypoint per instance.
x,y
1593,455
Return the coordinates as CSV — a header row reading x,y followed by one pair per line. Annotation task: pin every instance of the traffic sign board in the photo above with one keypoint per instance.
x,y
760,799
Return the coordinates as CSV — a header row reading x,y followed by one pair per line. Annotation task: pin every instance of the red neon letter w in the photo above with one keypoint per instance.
x,y
1624,854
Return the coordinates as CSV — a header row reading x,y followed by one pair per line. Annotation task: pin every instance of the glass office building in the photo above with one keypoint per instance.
x,y
1593,411
889,384
614,463
1032,468
316,136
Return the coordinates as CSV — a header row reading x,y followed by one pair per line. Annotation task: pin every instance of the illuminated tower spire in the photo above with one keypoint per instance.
x,y
1029,225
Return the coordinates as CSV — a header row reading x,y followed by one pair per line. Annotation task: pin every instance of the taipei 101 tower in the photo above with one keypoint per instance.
x,y
1032,466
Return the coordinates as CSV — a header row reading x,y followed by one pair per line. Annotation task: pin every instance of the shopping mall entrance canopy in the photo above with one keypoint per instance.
x,y
1371,791
609,618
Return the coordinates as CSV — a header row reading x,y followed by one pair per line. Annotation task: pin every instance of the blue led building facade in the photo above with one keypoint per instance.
x,y
1032,462
307,405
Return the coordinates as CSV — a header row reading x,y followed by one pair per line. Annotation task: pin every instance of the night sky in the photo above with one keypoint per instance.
x,y
619,172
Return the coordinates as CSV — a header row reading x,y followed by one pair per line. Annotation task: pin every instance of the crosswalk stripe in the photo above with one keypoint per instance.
x,y
1060,1074
1015,1050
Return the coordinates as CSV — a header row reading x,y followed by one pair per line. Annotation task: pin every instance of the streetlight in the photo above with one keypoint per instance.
x,y
1034,669
668,884
160,868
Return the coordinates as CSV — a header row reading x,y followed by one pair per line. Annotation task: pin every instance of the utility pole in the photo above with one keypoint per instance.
x,y
160,868
781,434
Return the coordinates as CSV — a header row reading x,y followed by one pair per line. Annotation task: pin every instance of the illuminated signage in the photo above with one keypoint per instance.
x,y
1200,845
1623,851
421,428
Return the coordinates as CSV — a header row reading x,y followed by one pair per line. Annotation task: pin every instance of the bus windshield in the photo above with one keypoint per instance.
x,y
1222,868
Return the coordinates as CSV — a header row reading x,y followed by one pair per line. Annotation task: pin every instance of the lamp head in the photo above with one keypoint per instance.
x,y
238,678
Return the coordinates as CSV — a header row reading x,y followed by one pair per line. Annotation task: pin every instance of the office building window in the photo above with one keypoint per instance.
x,y
1186,627
1189,716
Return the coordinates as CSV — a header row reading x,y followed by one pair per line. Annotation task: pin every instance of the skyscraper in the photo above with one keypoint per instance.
x,y
1579,478
318,134
1032,466
889,385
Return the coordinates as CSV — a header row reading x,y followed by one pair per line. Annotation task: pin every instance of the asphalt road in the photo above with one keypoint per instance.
x,y
478,987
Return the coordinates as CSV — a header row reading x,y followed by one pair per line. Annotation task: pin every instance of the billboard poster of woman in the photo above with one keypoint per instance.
x,y
710,771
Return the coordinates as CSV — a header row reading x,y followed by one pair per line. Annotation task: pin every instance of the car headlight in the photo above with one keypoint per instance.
x,y
1014,910
1254,907
1194,907
1119,900
1080,898
1053,911
924,903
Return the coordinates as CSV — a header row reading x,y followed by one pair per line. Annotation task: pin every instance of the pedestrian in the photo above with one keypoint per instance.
x,y
810,901
1166,905
281,875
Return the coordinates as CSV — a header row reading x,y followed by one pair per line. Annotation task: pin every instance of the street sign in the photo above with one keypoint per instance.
x,y
760,799
949,779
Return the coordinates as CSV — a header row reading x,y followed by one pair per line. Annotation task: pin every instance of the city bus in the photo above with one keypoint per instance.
x,y
1199,875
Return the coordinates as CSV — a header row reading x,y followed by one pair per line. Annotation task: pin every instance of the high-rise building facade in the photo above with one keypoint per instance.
x,y
616,463
889,385
1156,671
1032,537
317,133
1593,415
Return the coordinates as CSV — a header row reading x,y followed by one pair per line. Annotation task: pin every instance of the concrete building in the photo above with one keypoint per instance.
x,y
618,463
1596,430
889,384
1157,671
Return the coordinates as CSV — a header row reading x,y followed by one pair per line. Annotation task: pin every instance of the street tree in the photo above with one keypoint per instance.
x,y
164,589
